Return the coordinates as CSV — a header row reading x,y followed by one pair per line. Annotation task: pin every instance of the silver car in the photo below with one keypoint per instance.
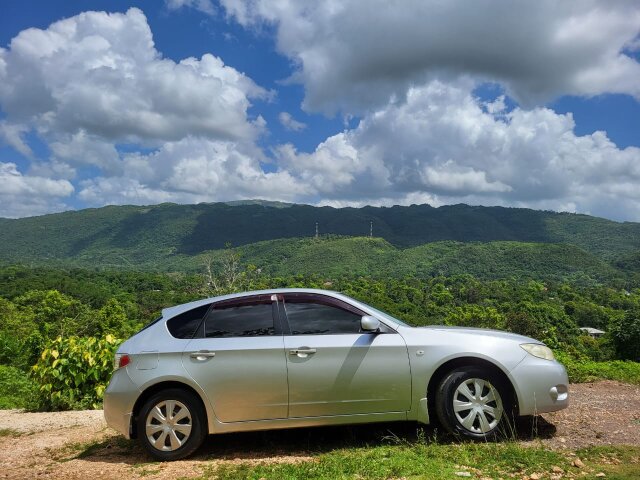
x,y
301,357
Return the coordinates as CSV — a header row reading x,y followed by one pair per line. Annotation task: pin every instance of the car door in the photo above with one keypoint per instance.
x,y
336,369
239,360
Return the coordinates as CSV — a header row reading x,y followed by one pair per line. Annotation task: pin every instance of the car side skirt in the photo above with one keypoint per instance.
x,y
220,427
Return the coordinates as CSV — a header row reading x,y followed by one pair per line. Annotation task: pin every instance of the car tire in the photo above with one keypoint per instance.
x,y
465,413
172,424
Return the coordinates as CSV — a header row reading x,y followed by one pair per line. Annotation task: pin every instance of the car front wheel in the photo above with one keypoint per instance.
x,y
473,403
171,424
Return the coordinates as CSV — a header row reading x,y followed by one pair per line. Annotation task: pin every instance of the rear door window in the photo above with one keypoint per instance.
x,y
240,318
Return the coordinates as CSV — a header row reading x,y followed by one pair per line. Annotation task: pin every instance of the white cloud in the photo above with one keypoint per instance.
x,y
82,149
290,123
93,86
357,54
443,145
192,170
22,195
93,82
12,136
100,74
204,6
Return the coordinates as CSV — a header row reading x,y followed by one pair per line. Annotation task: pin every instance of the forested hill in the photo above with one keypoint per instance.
x,y
154,235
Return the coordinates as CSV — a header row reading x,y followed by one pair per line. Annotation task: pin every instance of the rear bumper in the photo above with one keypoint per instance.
x,y
541,385
119,400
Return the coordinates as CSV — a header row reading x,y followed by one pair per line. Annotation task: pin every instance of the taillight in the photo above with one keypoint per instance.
x,y
121,360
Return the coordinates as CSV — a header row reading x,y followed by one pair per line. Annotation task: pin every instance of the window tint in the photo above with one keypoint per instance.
x,y
240,320
311,318
185,324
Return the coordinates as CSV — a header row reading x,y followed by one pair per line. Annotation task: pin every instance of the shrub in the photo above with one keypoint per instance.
x,y
626,335
17,390
581,370
73,372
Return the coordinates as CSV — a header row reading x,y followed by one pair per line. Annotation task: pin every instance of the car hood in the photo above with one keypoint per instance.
x,y
485,332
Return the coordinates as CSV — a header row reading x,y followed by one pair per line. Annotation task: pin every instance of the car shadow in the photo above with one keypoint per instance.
x,y
305,442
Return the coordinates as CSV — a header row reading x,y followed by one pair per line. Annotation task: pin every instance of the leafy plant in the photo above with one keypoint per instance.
x,y
73,372
626,335
584,370
17,390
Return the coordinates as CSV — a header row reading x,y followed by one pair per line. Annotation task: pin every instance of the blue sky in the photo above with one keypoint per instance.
x,y
362,103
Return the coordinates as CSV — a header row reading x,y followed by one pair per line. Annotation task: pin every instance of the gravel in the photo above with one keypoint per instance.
x,y
79,445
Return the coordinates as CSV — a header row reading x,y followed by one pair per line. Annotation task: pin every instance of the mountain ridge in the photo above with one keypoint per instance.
x,y
165,233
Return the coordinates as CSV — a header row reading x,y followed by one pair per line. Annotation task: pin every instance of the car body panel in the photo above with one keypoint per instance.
x,y
256,383
245,380
348,374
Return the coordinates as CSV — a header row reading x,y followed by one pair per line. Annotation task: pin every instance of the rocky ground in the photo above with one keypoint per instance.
x,y
79,445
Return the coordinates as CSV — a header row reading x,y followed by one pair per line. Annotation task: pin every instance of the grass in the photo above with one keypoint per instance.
x,y
386,451
9,432
617,463
589,371
442,461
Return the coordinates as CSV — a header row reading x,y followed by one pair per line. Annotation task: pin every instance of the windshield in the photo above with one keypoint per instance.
x,y
384,315
388,317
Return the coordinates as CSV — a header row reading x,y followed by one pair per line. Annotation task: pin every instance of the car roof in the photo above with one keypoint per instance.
x,y
178,309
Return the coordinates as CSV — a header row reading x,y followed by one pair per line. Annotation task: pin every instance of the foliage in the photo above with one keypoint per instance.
x,y
73,372
38,305
585,370
169,236
17,390
625,333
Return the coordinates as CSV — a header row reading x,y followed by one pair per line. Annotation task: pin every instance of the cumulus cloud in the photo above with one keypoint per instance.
x,y
443,145
192,170
22,195
96,91
290,123
100,73
357,54
93,82
83,149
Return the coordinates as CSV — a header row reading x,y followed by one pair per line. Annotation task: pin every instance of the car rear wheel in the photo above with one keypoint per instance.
x,y
473,403
171,424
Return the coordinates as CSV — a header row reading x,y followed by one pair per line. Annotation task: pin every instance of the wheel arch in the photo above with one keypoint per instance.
x,y
467,361
158,387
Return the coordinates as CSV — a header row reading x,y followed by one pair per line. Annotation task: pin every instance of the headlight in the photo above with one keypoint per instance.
x,y
538,350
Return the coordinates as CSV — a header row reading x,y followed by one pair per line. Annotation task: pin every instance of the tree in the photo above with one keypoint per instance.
x,y
626,335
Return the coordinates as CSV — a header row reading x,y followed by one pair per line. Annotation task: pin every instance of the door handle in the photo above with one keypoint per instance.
x,y
202,355
302,351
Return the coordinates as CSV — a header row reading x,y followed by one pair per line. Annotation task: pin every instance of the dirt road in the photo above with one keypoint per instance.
x,y
78,445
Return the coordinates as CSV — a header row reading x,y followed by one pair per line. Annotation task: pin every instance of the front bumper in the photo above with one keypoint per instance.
x,y
541,385
119,400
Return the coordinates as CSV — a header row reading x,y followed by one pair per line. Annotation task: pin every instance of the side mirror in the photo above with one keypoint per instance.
x,y
369,324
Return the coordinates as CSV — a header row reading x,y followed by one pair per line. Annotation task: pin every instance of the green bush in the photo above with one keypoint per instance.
x,y
626,335
73,372
17,390
581,370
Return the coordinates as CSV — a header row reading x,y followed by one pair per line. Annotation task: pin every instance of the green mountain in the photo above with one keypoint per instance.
x,y
278,237
363,256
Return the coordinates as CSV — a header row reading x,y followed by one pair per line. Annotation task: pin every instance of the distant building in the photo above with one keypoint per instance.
x,y
592,332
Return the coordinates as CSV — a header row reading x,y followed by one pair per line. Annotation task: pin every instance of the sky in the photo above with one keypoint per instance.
x,y
340,103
